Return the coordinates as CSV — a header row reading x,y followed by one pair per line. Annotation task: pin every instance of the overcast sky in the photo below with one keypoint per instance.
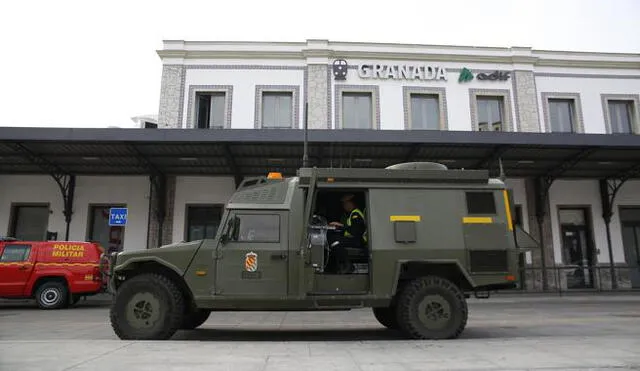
x,y
80,64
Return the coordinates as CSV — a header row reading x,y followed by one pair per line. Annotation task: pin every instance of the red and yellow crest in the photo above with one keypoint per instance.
x,y
251,262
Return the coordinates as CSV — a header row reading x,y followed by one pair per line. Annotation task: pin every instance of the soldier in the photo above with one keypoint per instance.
x,y
354,232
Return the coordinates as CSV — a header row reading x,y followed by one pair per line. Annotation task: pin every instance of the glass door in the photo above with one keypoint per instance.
x,y
111,238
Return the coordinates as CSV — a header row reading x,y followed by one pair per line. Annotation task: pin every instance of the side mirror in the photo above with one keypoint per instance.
x,y
235,230
225,236
232,230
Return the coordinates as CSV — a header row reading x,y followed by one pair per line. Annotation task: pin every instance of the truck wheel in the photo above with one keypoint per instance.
x,y
52,295
147,307
432,308
193,320
386,316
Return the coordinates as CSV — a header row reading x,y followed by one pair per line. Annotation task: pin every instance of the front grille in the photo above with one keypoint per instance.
x,y
489,261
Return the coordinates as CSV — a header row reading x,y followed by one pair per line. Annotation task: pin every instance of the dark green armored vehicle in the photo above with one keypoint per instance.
x,y
428,237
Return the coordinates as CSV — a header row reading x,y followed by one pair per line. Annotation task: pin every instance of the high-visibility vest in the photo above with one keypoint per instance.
x,y
355,211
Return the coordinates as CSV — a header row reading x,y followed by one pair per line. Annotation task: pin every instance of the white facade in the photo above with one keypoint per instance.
x,y
90,191
245,72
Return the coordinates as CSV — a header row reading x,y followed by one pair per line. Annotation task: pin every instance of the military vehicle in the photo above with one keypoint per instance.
x,y
435,236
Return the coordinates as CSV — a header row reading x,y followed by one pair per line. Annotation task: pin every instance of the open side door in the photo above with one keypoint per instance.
x,y
524,240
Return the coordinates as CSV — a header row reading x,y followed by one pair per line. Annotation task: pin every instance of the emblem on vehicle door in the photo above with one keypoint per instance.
x,y
251,262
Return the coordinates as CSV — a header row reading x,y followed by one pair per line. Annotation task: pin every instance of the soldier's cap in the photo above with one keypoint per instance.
x,y
347,197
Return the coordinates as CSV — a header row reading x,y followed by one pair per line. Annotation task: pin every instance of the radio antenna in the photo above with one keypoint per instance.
x,y
502,175
305,156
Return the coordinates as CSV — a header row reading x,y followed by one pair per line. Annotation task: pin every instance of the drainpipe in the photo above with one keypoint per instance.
x,y
607,213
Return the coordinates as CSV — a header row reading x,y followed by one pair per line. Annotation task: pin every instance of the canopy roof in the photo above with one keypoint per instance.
x,y
251,152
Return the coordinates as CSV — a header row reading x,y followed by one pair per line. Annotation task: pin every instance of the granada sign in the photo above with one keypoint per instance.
x,y
402,72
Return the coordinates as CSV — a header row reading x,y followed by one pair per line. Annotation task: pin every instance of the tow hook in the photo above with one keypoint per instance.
x,y
482,294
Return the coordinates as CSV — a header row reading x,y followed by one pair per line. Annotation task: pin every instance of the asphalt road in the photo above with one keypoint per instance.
x,y
559,333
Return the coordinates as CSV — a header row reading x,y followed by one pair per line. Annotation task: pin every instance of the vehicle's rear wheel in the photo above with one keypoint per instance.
x,y
432,308
147,307
386,316
52,295
194,319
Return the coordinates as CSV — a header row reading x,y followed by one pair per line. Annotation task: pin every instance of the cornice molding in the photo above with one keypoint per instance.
x,y
404,52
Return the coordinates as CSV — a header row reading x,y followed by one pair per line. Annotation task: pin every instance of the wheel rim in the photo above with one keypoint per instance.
x,y
434,311
143,310
50,296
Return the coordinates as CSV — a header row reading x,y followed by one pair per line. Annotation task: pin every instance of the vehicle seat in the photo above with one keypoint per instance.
x,y
358,254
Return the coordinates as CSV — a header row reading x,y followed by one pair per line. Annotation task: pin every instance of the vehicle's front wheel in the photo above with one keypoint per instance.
x,y
432,308
147,307
193,320
52,295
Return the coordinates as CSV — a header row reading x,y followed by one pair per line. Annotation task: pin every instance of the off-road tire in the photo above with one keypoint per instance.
x,y
429,294
167,305
386,316
52,295
195,319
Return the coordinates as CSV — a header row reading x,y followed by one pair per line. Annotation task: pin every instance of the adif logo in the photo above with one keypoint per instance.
x,y
465,75
340,68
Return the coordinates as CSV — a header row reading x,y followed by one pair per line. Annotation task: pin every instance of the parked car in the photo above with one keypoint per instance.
x,y
54,273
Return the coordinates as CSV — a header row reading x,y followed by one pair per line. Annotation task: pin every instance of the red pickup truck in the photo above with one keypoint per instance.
x,y
54,273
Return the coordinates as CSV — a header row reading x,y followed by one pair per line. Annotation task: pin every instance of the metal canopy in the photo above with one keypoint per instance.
x,y
250,152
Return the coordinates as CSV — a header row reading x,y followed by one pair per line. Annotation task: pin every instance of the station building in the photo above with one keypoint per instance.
x,y
563,125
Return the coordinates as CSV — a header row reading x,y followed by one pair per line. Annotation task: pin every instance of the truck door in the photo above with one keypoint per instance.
x,y
253,259
15,269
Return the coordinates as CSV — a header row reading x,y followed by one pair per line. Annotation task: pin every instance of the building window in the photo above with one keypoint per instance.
x,y
277,106
357,106
425,108
277,109
490,113
561,115
491,109
425,112
621,113
29,222
209,106
562,112
211,110
258,228
202,221
357,110
620,116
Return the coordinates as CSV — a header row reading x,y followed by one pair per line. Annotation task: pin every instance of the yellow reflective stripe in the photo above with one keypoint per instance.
x,y
507,208
477,220
69,264
356,211
50,264
404,218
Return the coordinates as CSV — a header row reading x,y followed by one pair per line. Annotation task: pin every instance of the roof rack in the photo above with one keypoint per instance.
x,y
394,175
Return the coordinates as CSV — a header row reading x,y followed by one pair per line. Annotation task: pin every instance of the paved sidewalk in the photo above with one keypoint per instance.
x,y
560,333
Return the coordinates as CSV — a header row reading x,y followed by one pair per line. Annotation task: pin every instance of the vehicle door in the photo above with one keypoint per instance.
x,y
251,257
15,269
